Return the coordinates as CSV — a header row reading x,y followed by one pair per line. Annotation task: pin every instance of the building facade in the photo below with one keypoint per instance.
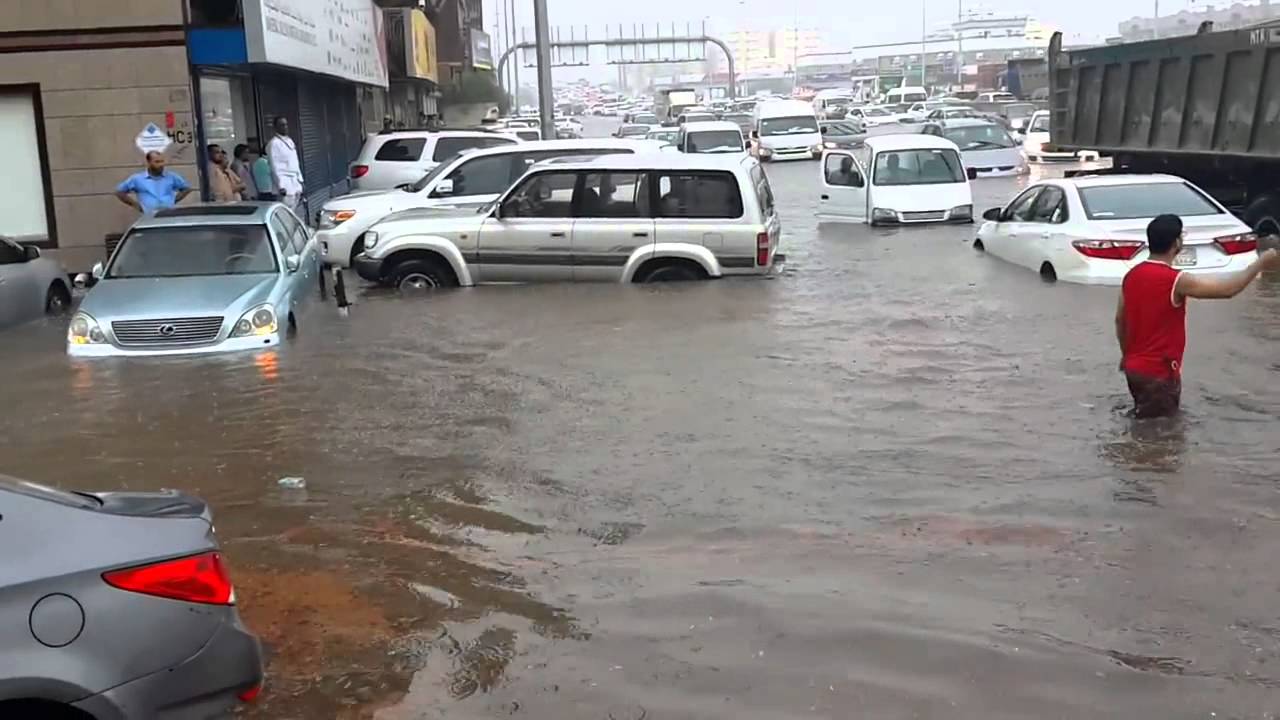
x,y
1186,22
764,51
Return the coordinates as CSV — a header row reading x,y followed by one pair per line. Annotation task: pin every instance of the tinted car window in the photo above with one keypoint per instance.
x,y
613,195
401,150
194,250
11,253
1050,206
544,195
764,193
699,195
1020,210
448,146
487,175
1127,202
295,238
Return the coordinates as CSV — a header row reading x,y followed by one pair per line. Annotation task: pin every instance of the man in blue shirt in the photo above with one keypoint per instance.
x,y
153,189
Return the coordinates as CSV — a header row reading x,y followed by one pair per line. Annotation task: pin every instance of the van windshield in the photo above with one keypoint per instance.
x,y
918,167
798,125
716,141
1040,123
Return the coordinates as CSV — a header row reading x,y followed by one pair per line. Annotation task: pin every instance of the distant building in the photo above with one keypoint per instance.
x,y
772,50
1186,22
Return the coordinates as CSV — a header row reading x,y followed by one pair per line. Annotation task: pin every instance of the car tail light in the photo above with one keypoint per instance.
x,y
762,249
1108,249
1236,244
196,578
250,694
359,171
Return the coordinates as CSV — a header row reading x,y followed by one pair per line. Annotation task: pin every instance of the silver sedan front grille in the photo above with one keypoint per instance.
x,y
167,331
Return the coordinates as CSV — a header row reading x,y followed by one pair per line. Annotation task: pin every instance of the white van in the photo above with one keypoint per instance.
x,y
906,95
717,136
786,130
837,101
896,179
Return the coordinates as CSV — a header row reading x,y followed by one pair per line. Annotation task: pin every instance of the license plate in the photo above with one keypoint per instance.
x,y
1185,258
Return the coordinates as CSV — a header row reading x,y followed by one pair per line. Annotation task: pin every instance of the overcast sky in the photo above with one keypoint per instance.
x,y
844,22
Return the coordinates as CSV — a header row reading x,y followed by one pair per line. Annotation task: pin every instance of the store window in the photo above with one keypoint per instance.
x,y
226,105
24,205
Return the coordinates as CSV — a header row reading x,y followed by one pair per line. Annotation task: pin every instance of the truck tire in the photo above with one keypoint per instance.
x,y
1263,215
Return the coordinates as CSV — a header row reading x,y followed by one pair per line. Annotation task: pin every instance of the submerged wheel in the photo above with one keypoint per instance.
x,y
422,275
1047,273
977,245
673,272
57,300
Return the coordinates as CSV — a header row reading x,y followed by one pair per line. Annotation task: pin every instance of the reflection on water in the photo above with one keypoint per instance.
x,y
778,499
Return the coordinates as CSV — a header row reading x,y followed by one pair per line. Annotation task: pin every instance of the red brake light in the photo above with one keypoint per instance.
x,y
197,578
762,249
1108,249
248,695
1236,244
359,171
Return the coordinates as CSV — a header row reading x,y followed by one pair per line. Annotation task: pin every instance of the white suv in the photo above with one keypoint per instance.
x,y
621,218
387,160
467,180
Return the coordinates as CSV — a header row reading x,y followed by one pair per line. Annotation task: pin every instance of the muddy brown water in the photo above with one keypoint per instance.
x,y
895,482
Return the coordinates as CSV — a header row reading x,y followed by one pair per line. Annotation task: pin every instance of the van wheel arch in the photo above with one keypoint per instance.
x,y
670,269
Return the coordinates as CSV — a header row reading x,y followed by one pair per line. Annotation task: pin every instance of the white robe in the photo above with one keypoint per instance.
x,y
286,170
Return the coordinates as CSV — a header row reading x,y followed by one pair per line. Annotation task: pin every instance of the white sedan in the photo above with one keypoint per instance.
x,y
1092,229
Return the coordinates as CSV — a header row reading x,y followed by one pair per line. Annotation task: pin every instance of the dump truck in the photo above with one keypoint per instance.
x,y
1205,107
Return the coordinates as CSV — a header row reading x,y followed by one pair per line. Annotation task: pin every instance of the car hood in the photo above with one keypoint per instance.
x,y
1199,229
140,298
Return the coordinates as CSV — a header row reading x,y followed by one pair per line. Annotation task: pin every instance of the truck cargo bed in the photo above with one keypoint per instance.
x,y
1215,94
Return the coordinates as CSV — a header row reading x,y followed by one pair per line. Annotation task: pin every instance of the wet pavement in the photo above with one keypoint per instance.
x,y
897,481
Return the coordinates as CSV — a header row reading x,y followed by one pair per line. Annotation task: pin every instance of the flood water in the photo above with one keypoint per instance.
x,y
897,481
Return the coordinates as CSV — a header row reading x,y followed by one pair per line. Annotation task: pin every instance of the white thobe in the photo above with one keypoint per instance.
x,y
286,169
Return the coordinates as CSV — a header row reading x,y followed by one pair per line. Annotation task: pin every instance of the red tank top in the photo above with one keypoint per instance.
x,y
1155,329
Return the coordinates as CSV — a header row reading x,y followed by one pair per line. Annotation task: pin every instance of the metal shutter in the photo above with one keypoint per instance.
x,y
312,141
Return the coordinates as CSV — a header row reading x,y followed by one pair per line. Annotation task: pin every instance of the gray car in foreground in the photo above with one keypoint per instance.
x,y
31,285
115,606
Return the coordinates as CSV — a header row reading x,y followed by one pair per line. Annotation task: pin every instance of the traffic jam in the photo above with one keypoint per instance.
x,y
722,245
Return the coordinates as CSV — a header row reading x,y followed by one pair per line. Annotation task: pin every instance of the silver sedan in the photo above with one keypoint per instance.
x,y
30,285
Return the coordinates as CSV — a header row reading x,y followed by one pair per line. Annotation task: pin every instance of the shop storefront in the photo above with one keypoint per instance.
x,y
317,71
414,68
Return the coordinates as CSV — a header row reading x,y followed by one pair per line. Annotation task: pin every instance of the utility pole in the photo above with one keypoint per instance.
x,y
960,44
515,66
546,101
1155,21
924,62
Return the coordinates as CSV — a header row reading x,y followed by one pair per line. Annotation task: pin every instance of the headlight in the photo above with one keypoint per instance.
x,y
883,214
330,219
962,212
765,151
829,145
84,330
816,148
370,240
260,320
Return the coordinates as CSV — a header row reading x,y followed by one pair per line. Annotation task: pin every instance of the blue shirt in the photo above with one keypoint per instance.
x,y
155,192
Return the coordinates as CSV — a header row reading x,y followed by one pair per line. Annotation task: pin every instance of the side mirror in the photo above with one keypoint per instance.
x,y
31,252
292,263
444,187
993,215
97,271
81,281
824,129
972,173
755,134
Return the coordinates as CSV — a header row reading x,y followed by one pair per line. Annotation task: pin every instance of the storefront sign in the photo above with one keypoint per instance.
x,y
411,45
343,38
481,50
152,139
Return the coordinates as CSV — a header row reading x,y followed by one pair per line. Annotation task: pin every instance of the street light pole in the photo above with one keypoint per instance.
x,y
960,44
514,24
542,37
924,63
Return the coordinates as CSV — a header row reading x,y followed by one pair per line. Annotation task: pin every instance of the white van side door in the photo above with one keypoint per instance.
x,y
844,187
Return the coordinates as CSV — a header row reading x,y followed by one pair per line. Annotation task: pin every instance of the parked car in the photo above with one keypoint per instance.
x,y
906,95
1036,145
1092,229
522,134
984,145
31,285
742,119
996,97
641,118
198,279
715,136
591,219
568,128
872,116
632,131
117,605
785,130
898,179
841,133
388,160
468,180
950,111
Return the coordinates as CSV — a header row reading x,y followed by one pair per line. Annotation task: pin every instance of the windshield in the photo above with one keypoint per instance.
x,y
738,118
199,250
979,137
716,141
429,177
841,128
635,130
1040,124
646,119
1014,112
797,125
1147,200
918,167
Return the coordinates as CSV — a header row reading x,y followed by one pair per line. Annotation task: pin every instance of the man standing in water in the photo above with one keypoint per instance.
x,y
1151,316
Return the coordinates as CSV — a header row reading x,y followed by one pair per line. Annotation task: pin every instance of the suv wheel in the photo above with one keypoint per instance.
x,y
422,276
673,272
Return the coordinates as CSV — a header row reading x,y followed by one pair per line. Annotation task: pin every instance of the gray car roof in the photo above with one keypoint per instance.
x,y
241,213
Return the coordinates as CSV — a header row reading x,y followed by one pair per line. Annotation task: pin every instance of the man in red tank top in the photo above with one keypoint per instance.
x,y
1151,317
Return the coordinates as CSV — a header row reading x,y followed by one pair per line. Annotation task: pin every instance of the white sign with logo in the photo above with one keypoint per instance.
x,y
343,38
152,139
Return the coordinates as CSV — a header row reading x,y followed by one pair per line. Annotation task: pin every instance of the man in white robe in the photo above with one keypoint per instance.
x,y
286,169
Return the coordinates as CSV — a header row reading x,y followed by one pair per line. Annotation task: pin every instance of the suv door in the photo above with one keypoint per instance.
x,y
527,239
699,207
397,161
612,218
21,298
844,188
